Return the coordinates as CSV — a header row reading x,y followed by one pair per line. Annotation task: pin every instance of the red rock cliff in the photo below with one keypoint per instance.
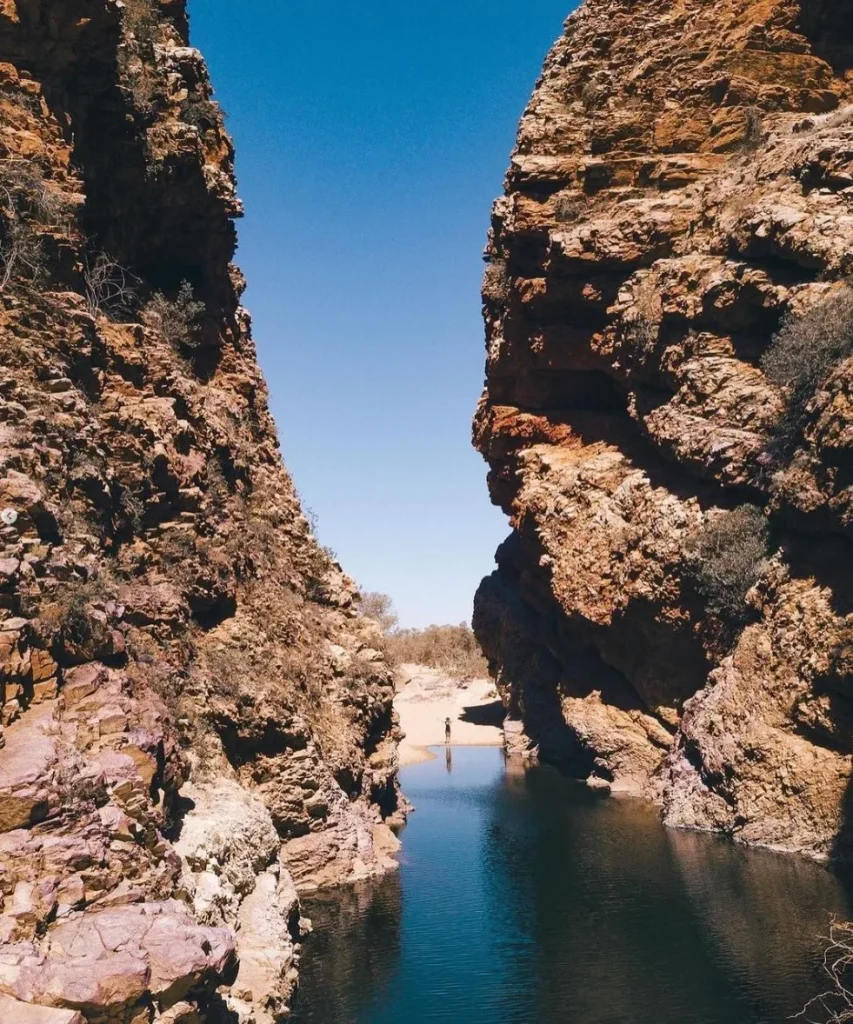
x,y
196,723
681,191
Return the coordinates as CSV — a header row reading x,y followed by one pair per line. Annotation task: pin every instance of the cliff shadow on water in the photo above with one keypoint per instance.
x,y
523,896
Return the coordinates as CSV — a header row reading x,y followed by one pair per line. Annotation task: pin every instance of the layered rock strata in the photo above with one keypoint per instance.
x,y
682,184
196,722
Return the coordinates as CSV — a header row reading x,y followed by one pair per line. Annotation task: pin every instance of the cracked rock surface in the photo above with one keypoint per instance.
x,y
682,184
195,722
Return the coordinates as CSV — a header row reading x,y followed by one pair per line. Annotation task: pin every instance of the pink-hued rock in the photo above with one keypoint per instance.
x,y
166,609
27,766
82,682
112,961
13,1011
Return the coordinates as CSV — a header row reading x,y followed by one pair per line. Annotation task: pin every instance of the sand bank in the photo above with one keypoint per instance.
x,y
425,697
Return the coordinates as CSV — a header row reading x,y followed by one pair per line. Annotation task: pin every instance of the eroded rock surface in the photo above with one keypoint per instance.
x,y
683,182
196,722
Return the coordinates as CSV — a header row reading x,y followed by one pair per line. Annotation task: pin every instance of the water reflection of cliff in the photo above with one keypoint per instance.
x,y
764,912
619,919
354,952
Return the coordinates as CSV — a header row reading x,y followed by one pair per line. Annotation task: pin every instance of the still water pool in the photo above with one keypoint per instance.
x,y
524,898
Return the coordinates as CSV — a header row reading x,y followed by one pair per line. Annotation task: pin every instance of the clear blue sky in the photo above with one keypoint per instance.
x,y
371,140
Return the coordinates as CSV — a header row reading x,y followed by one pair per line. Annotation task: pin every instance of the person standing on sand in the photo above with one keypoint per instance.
x,y
447,730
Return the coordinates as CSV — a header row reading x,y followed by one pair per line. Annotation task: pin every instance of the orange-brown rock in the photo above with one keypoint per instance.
x,y
682,183
166,613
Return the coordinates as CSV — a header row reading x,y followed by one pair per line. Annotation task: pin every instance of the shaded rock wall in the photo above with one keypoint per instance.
x,y
682,183
165,612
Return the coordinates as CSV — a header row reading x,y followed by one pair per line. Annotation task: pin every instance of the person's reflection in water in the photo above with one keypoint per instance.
x,y
448,759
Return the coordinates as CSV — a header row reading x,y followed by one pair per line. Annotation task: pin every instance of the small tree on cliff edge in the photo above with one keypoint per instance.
x,y
380,608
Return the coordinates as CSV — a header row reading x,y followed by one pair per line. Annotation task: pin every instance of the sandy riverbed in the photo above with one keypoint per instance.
x,y
425,697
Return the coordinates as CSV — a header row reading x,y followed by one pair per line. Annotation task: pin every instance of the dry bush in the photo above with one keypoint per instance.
x,y
321,561
645,317
452,649
21,253
227,670
804,353
835,1005
728,557
202,114
111,289
28,206
380,608
753,132
141,24
131,511
21,98
177,319
254,549
593,96
23,185
81,631
569,209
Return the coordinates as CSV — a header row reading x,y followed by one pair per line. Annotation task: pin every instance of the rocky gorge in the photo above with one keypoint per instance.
x,y
197,724
681,195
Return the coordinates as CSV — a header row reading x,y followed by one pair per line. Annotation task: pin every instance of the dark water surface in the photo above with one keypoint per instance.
x,y
524,898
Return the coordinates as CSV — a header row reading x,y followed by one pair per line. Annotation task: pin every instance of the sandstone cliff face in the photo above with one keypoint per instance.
x,y
196,723
682,184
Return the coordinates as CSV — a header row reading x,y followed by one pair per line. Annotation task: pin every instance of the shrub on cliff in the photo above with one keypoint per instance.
x,y
201,114
21,252
593,96
140,20
753,129
138,56
569,208
728,558
28,206
380,608
111,290
178,318
804,353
